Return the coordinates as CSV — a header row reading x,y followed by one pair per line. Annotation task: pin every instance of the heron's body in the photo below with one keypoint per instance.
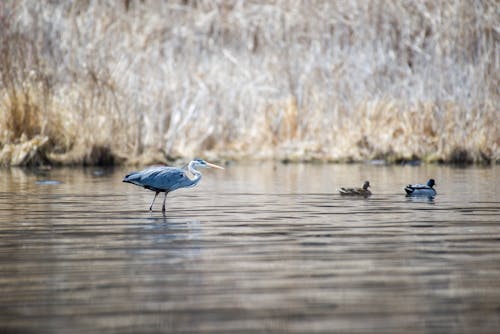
x,y
356,191
162,179
167,179
421,189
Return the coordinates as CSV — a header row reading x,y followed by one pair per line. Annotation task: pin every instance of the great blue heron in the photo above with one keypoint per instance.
x,y
356,191
167,179
421,190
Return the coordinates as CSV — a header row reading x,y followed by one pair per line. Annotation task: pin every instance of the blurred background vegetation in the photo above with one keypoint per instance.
x,y
105,82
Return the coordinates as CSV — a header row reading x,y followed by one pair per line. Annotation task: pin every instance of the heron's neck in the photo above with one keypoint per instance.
x,y
197,174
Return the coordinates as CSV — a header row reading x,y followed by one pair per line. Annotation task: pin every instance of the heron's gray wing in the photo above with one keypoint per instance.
x,y
165,178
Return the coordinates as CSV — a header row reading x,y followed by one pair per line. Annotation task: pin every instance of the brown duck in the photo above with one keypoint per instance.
x,y
356,191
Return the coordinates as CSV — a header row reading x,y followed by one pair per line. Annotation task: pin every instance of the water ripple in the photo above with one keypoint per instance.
x,y
247,257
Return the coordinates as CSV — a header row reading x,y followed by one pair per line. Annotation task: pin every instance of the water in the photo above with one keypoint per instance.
x,y
263,248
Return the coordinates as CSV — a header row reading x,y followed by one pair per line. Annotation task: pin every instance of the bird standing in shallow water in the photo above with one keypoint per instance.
x,y
167,179
421,189
356,191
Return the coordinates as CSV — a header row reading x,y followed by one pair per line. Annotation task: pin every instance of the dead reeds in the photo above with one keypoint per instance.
x,y
107,82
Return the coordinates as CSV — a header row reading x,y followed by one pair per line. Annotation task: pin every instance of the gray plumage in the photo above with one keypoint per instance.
x,y
167,179
421,190
161,179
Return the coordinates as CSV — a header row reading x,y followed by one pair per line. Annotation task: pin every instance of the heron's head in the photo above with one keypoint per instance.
x,y
202,163
366,185
431,183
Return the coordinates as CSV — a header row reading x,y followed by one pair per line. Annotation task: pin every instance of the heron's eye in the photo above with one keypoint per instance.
x,y
181,175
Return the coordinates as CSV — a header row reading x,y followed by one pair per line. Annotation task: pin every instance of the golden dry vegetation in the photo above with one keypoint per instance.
x,y
105,82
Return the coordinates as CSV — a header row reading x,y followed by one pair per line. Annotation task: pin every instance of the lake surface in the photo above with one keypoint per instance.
x,y
266,248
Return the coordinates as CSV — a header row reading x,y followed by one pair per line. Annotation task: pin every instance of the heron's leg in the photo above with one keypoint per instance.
x,y
151,207
164,200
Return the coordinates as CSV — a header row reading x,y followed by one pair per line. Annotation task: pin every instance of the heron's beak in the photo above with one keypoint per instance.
x,y
213,166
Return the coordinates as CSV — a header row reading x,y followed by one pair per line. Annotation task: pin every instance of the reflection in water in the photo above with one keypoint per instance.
x,y
48,182
421,199
253,249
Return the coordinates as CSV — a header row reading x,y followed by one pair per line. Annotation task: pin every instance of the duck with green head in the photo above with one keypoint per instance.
x,y
421,189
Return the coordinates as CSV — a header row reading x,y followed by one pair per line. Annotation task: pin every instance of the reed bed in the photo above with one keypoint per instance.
x,y
106,82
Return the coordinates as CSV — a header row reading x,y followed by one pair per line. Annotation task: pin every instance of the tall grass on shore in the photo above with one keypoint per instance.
x,y
101,82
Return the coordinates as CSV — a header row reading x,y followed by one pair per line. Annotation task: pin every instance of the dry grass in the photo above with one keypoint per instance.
x,y
294,80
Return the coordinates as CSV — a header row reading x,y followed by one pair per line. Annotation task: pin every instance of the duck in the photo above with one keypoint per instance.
x,y
363,191
421,189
